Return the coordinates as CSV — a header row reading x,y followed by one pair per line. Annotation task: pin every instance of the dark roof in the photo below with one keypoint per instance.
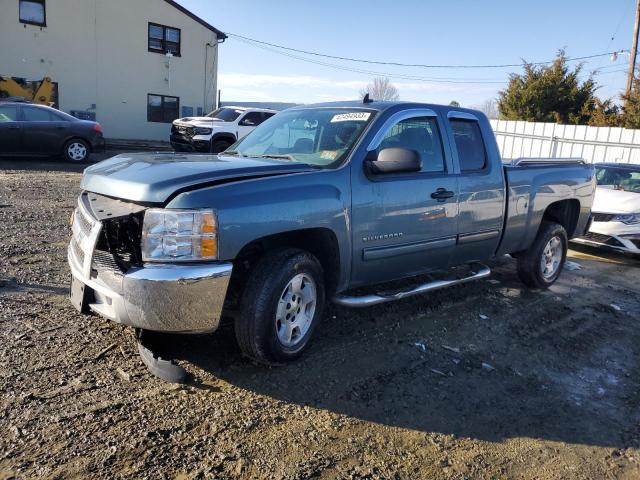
x,y
189,14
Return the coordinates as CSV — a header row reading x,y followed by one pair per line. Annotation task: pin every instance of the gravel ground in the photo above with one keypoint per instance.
x,y
486,380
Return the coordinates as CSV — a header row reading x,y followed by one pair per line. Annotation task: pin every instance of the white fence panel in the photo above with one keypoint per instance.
x,y
594,144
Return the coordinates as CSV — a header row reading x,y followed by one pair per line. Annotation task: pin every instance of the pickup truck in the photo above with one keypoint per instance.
x,y
217,130
319,203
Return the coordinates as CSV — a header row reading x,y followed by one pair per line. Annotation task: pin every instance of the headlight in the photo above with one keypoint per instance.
x,y
628,218
179,235
202,131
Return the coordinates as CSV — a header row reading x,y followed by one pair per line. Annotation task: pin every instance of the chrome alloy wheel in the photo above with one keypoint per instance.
x,y
77,151
296,308
551,257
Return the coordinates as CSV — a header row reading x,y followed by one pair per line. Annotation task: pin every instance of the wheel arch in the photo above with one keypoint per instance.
x,y
564,212
227,136
321,242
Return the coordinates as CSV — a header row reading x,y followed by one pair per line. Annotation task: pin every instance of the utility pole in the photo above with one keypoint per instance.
x,y
634,50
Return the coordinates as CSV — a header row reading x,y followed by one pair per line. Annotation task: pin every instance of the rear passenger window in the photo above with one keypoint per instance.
x,y
420,134
37,115
468,137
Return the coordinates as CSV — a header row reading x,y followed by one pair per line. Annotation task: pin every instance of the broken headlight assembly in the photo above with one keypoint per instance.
x,y
179,235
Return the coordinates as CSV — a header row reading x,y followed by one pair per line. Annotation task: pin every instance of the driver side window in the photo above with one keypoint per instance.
x,y
420,134
251,119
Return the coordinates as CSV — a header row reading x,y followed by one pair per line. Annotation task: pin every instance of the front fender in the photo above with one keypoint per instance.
x,y
251,209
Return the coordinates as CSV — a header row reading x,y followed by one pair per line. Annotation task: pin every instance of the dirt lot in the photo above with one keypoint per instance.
x,y
487,380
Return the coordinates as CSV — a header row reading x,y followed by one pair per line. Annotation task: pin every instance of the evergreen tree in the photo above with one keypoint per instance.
x,y
548,93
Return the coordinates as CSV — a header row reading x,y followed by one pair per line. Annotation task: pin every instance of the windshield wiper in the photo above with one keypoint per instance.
x,y
278,157
231,153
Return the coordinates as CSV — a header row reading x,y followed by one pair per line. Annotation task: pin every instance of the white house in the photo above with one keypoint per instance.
x,y
137,65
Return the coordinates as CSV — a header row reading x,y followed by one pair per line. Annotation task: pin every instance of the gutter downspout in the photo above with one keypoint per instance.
x,y
214,68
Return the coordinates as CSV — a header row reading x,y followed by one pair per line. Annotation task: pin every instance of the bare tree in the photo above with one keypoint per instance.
x,y
489,108
381,88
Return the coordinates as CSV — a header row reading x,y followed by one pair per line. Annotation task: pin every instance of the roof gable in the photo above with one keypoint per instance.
x,y
221,35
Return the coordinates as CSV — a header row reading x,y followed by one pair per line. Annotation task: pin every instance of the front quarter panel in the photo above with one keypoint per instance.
x,y
251,209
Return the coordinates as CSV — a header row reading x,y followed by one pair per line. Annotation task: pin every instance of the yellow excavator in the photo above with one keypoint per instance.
x,y
42,91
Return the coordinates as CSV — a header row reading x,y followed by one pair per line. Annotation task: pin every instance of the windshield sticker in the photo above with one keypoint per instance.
x,y
350,117
328,154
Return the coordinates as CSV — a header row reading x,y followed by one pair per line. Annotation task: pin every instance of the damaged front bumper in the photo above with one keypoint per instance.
x,y
159,297
163,298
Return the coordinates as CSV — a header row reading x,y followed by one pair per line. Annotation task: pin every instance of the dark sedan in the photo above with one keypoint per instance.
x,y
28,129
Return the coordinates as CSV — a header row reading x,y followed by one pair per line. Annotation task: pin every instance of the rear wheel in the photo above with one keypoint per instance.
x,y
220,146
76,150
541,264
281,305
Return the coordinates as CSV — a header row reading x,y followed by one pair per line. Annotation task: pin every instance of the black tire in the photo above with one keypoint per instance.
x,y
530,269
220,146
76,150
256,326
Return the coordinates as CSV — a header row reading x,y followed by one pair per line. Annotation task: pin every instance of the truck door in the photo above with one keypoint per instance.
x,y
481,182
10,136
406,223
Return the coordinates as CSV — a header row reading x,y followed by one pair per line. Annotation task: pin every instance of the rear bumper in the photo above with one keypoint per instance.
x,y
164,298
98,144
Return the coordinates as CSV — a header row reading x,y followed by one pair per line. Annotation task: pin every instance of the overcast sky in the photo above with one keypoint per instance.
x,y
459,32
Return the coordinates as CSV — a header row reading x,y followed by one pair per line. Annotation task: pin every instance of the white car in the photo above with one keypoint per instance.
x,y
616,208
218,130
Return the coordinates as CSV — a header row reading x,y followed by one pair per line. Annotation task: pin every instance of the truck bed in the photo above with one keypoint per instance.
x,y
532,185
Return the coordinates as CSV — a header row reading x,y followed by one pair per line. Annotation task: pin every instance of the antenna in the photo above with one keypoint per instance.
x,y
366,98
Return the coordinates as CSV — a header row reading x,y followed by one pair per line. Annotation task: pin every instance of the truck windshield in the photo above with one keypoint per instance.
x,y
225,114
320,136
619,178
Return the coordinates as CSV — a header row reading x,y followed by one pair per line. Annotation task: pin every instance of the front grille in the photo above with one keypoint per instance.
x,y
600,238
107,261
84,224
603,217
77,251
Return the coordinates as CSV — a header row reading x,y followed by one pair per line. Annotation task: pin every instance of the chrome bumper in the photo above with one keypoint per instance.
x,y
162,297
165,298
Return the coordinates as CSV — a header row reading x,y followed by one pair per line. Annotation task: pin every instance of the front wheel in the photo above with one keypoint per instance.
x,y
281,306
541,264
76,150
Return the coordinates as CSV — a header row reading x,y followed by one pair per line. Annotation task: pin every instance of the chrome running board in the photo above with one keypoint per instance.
x,y
480,271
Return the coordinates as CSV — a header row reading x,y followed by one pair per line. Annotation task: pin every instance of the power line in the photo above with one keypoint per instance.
x,y
372,72
398,64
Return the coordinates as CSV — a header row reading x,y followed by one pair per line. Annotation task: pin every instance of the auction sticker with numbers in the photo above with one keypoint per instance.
x,y
350,117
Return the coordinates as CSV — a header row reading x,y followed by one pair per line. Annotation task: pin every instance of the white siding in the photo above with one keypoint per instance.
x,y
97,52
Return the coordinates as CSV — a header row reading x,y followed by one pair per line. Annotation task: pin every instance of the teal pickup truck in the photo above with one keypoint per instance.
x,y
316,201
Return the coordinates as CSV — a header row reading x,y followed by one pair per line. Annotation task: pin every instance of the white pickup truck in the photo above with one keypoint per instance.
x,y
218,130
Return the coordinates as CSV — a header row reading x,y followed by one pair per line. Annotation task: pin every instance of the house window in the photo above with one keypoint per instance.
x,y
163,39
33,12
162,108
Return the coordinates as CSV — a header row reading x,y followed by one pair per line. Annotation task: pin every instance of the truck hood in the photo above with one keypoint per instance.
x,y
608,200
193,120
154,177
